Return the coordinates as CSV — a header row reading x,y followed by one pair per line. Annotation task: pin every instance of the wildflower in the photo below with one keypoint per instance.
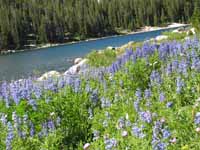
x,y
105,102
198,130
169,104
155,78
25,118
95,97
166,134
32,130
110,143
90,113
86,146
107,114
121,123
162,97
58,121
51,125
146,116
179,84
10,136
96,135
147,93
3,119
33,103
137,131
138,94
105,123
128,123
197,118
124,133
173,140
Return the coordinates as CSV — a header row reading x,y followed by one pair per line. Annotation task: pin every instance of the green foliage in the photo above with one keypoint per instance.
x,y
31,22
196,17
175,36
101,58
72,107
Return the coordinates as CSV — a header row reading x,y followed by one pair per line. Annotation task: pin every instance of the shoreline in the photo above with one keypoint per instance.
x,y
141,30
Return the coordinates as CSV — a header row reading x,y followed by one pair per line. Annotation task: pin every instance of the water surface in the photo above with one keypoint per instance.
x,y
22,65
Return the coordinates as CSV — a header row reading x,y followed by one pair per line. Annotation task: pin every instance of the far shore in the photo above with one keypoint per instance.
x,y
142,30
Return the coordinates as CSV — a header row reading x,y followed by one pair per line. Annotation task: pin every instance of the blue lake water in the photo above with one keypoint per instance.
x,y
22,65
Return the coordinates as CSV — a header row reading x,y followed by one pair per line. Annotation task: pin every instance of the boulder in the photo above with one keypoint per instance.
x,y
50,74
161,37
111,48
191,31
75,69
175,31
77,60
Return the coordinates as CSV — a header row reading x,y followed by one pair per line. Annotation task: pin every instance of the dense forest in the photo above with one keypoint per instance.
x,y
31,22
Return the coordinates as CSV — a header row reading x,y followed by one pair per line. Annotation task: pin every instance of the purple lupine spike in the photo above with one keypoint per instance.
x,y
155,78
50,125
3,119
197,118
137,132
32,129
138,94
146,116
179,85
10,136
162,97
147,93
33,103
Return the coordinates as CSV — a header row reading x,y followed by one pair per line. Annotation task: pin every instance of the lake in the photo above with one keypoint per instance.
x,y
60,58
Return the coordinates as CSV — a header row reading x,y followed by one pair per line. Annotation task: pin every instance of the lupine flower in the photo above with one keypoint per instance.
x,y
3,119
136,105
96,135
90,113
25,118
138,94
162,97
95,97
166,134
128,123
137,131
179,84
44,131
32,130
146,116
105,123
197,118
51,125
15,120
169,104
155,78
58,121
147,93
77,85
10,137
160,146
121,123
33,103
105,103
107,115
110,143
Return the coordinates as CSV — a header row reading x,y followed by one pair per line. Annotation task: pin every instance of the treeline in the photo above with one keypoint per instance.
x,y
30,22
